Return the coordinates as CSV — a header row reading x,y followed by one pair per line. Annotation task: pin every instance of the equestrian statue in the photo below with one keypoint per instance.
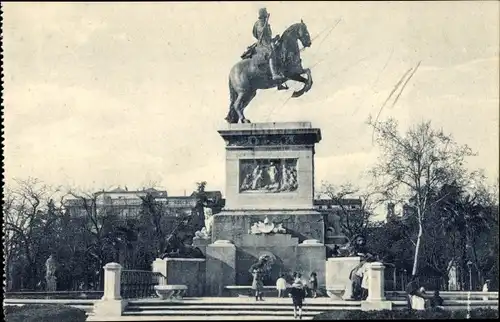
x,y
268,63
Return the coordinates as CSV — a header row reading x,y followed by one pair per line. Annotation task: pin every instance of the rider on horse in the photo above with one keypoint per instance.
x,y
265,46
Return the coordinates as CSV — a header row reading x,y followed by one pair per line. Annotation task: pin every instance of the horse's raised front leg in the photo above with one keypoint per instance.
x,y
307,82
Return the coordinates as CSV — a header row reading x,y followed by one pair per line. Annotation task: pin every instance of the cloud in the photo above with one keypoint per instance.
x,y
110,93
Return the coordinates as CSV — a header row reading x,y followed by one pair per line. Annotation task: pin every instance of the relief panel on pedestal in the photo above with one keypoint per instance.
x,y
268,175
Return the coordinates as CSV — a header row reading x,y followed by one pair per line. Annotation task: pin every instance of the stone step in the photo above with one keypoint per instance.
x,y
234,307
229,301
192,318
221,313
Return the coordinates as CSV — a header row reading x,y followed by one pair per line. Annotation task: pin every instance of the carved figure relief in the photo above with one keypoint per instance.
x,y
268,175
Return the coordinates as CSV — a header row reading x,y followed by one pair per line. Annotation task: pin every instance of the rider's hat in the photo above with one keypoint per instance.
x,y
262,13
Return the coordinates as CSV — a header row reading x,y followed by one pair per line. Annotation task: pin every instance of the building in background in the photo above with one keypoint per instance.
x,y
127,203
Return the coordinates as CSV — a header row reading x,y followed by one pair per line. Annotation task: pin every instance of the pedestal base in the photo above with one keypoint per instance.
x,y
376,305
234,225
337,273
109,308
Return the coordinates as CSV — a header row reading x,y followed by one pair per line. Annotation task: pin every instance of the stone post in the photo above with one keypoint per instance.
x,y
111,304
376,289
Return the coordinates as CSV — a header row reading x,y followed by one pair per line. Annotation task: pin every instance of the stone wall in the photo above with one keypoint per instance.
x,y
183,271
283,248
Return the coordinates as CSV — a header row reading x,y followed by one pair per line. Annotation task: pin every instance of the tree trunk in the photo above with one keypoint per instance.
x,y
417,249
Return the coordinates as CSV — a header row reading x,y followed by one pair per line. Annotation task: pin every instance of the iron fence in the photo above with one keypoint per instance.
x,y
139,283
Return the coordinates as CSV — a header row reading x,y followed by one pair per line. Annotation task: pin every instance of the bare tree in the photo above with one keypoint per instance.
x,y
413,165
30,220
353,221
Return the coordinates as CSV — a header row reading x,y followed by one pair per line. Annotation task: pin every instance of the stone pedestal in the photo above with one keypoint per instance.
x,y
376,289
183,271
51,283
337,271
235,225
220,267
311,258
269,178
280,146
111,304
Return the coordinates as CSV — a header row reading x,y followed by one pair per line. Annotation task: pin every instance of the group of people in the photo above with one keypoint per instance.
x,y
282,286
297,289
418,299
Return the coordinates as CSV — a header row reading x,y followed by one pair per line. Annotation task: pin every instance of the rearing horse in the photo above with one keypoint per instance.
x,y
249,75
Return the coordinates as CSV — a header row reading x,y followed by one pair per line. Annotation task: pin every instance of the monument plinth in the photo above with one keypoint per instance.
x,y
269,200
270,165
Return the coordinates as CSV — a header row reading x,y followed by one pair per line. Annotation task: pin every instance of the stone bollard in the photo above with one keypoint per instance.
x,y
111,304
376,289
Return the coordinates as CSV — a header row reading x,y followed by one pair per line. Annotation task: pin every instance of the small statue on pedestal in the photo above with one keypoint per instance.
x,y
50,271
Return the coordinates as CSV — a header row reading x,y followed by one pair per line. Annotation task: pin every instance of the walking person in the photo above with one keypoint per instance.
x,y
313,281
281,285
298,293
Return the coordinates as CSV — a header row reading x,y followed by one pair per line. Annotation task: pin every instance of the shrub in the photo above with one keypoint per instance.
x,y
44,313
434,314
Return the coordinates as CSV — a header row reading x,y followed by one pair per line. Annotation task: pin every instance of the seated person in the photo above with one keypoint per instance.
x,y
436,301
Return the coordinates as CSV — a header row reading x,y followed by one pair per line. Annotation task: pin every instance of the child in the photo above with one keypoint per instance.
x,y
314,284
298,294
281,285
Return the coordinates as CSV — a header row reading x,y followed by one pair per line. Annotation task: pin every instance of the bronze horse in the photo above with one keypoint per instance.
x,y
249,75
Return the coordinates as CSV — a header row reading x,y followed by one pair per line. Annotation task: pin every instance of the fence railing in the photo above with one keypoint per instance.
x,y
139,283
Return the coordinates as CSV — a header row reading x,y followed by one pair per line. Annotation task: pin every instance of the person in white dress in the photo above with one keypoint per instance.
x,y
281,285
486,289
364,280
418,300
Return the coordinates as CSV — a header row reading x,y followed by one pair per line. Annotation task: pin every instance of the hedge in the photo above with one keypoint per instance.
x,y
43,313
437,314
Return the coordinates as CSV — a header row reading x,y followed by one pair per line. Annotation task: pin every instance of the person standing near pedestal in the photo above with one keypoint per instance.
x,y
257,271
281,285
313,281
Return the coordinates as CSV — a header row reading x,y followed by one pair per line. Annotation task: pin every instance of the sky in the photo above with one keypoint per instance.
x,y
99,95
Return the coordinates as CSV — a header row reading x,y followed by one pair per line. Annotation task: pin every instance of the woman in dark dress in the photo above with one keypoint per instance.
x,y
257,283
